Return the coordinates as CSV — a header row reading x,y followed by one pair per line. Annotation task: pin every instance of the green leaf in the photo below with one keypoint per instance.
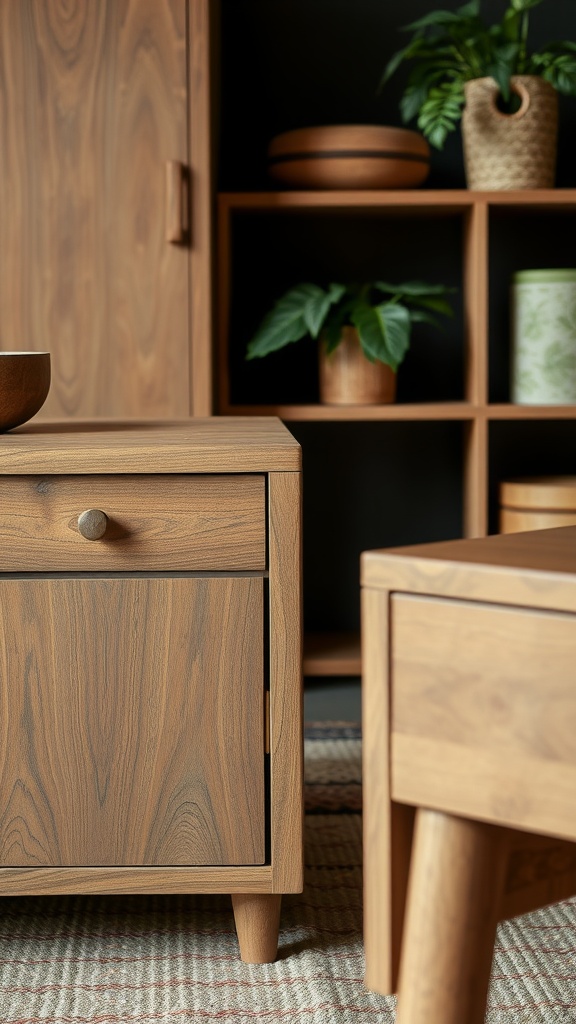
x,y
436,135
562,81
392,65
421,316
286,321
469,10
435,18
441,112
420,294
510,26
384,331
412,100
316,308
411,288
524,5
338,316
501,75
437,304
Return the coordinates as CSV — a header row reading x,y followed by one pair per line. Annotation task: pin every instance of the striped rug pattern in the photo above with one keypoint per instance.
x,y
157,960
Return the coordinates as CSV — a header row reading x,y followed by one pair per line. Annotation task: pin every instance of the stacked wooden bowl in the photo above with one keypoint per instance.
x,y
349,157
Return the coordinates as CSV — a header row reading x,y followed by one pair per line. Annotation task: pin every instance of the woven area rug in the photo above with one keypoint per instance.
x,y
154,960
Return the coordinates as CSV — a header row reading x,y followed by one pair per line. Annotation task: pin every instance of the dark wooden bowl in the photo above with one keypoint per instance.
x,y
349,157
24,386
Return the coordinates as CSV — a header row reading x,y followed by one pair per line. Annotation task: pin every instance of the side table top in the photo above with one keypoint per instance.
x,y
229,444
536,568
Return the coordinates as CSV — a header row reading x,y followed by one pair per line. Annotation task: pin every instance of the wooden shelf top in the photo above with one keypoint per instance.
x,y
442,200
531,412
332,654
423,411
395,411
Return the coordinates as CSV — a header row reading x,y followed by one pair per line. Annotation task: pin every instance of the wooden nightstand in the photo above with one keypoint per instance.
x,y
150,670
469,706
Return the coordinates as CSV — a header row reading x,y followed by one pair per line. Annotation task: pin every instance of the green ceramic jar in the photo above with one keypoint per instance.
x,y
543,307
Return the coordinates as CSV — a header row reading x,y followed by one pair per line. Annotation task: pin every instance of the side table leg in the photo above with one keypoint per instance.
x,y
257,920
455,888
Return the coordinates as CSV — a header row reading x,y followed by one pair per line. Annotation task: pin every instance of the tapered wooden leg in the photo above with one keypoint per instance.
x,y
454,894
257,919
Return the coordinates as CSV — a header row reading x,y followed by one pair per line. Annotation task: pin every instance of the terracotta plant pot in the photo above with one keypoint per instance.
x,y
348,378
510,151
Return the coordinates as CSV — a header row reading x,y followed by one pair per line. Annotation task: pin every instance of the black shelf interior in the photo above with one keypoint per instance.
x,y
371,485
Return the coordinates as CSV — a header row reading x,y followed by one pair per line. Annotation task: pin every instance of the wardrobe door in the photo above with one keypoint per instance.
x,y
93,204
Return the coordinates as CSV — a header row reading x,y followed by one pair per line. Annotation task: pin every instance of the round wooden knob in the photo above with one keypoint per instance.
x,y
92,524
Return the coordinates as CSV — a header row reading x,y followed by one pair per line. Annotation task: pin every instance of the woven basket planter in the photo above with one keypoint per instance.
x,y
510,151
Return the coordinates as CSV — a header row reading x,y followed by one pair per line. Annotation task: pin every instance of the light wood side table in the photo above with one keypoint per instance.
x,y
469,717
150,665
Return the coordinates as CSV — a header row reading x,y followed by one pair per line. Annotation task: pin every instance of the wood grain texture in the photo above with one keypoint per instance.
x,y
224,286
456,881
132,722
475,497
163,522
475,259
215,445
95,101
434,773
515,520
382,876
286,693
540,870
489,694
203,108
257,920
536,569
110,880
550,493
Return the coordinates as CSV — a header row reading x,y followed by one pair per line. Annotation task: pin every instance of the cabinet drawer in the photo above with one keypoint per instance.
x,y
483,711
160,522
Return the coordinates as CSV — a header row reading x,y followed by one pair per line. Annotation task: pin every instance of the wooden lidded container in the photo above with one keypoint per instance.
x,y
349,156
537,503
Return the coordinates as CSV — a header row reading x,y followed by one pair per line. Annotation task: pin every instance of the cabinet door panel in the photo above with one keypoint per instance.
x,y
93,100
131,721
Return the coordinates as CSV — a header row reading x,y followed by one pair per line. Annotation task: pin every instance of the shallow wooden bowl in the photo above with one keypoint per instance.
x,y
349,157
24,386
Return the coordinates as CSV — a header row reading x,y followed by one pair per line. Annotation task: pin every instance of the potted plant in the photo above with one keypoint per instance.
x,y
364,332
463,69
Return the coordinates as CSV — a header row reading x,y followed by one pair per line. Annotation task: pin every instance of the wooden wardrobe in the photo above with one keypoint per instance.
x,y
105,201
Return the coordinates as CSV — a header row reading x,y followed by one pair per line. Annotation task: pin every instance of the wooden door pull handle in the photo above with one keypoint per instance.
x,y
92,524
174,201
